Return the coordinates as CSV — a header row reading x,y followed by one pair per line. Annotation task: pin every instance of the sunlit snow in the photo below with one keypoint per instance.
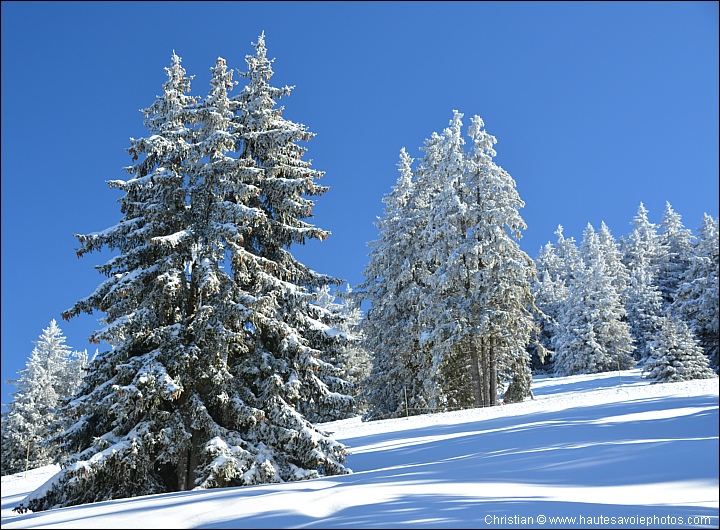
x,y
591,447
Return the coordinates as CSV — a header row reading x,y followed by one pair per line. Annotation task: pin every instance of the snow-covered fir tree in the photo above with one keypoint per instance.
x,y
216,344
506,270
616,269
642,248
592,334
676,244
347,363
644,311
425,390
676,355
395,287
272,143
357,363
479,297
557,265
642,253
697,298
550,293
449,331
52,374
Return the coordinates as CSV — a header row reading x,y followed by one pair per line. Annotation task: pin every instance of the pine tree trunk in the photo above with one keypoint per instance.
x,y
186,467
475,373
485,372
192,465
493,373
181,471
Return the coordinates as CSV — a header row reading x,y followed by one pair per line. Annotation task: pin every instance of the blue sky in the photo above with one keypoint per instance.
x,y
596,107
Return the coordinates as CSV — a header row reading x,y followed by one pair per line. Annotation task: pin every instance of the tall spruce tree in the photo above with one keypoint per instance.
x,y
427,392
644,311
51,375
394,286
480,292
550,292
290,335
216,342
447,320
507,271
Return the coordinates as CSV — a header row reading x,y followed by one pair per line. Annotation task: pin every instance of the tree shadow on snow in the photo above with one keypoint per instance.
x,y
471,475
449,511
603,445
547,386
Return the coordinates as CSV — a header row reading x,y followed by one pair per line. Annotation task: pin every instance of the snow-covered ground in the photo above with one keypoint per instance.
x,y
593,451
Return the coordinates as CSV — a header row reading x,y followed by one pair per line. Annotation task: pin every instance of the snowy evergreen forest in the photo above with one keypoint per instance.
x,y
220,353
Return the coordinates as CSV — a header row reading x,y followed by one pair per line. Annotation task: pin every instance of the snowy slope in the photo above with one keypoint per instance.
x,y
609,450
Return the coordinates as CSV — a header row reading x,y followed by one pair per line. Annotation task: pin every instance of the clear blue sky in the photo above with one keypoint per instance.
x,y
596,106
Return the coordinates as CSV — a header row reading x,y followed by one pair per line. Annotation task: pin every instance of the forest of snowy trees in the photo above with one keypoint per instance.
x,y
608,305
222,352
459,314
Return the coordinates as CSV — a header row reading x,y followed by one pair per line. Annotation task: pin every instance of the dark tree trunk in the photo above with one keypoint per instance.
x,y
182,472
186,467
485,372
493,373
475,374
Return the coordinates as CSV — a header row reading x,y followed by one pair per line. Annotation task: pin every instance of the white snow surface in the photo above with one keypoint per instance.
x,y
609,450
